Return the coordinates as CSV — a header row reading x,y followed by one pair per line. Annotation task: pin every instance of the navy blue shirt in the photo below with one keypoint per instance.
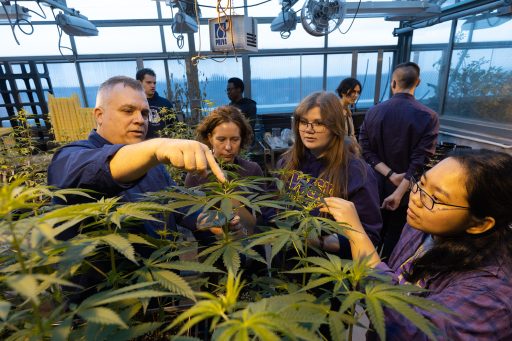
x,y
248,108
157,118
362,190
401,132
86,164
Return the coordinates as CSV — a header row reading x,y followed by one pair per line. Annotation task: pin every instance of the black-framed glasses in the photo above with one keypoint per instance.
x,y
317,127
426,199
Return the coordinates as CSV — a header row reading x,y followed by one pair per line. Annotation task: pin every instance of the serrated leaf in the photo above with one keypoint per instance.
x,y
412,315
120,244
187,266
336,327
135,239
103,316
352,298
173,283
376,316
231,259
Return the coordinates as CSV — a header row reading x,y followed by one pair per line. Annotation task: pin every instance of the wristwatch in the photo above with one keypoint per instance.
x,y
389,174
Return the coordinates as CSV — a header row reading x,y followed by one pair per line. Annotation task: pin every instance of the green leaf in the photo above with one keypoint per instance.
x,y
101,315
61,332
99,298
336,326
121,244
135,331
5,307
25,285
173,283
231,259
187,266
412,315
226,206
352,298
376,316
136,239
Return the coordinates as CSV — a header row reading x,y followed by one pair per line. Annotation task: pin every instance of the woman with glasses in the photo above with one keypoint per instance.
x,y
322,152
349,91
457,243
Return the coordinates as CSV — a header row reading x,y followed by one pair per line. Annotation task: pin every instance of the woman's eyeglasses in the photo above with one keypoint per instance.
x,y
317,127
426,199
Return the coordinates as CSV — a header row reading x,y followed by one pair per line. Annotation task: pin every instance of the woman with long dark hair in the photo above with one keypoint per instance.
x,y
322,151
349,91
457,243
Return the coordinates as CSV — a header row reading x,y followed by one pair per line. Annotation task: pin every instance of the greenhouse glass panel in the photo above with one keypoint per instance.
x,y
115,9
206,8
484,27
301,76
121,40
364,32
297,39
430,64
339,67
367,75
175,43
436,34
268,9
43,41
385,81
65,80
214,75
96,73
177,77
480,85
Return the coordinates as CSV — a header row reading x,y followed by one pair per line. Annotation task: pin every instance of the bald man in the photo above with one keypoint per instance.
x,y
117,161
398,137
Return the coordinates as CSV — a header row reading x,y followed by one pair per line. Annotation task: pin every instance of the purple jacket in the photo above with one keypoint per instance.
x,y
362,191
401,132
481,299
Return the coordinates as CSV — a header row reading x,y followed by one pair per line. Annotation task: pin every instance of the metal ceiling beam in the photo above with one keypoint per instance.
x,y
456,11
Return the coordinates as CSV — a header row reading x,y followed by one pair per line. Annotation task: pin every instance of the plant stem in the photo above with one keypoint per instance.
x,y
16,244
351,326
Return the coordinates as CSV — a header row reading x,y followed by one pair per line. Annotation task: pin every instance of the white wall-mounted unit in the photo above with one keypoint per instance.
x,y
235,31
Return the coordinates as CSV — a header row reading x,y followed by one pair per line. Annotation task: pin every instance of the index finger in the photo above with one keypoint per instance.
x,y
214,166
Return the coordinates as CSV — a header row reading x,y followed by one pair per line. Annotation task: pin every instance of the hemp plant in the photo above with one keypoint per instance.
x,y
217,204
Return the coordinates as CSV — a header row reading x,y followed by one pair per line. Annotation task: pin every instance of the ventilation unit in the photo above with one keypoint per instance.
x,y
233,32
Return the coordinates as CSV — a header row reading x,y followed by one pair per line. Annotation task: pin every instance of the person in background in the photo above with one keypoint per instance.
x,y
349,91
227,132
235,90
457,244
397,138
322,152
159,107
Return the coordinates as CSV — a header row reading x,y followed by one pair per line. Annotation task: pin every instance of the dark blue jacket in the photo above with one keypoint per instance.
x,y
156,121
401,132
362,191
86,164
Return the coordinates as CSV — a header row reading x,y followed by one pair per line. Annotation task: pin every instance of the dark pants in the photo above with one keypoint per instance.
x,y
393,223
